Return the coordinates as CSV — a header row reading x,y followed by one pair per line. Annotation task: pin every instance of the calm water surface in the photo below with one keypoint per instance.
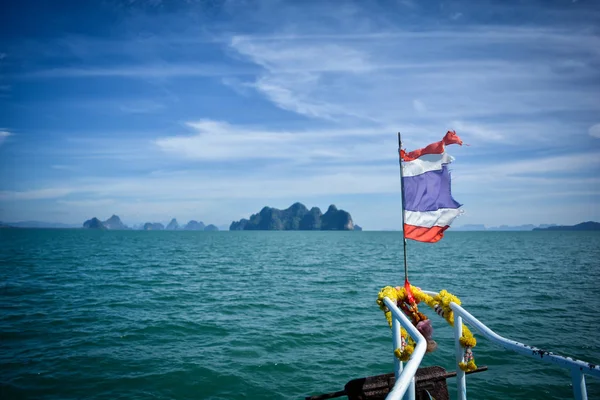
x,y
278,315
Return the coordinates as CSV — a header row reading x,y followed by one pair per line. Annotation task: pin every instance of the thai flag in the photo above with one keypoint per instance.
x,y
428,203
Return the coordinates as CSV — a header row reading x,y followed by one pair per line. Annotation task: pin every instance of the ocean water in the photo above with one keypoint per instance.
x,y
278,315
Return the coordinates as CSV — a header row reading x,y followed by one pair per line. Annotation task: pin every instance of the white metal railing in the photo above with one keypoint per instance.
x,y
405,377
405,381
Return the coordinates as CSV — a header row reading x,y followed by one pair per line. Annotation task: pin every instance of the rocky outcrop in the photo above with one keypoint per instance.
x,y
296,217
153,226
239,225
173,225
94,223
311,221
114,223
336,220
211,228
194,226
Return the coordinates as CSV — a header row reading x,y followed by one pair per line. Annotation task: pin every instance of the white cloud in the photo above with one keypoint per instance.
x,y
207,186
284,56
289,68
3,136
87,203
478,132
419,106
142,71
218,140
141,107
408,3
280,93
594,131
325,180
375,77
37,194
64,167
190,193
538,170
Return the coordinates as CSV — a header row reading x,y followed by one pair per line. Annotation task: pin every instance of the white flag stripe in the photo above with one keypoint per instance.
x,y
428,219
426,163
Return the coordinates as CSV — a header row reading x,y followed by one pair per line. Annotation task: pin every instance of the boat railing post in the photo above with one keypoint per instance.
x,y
461,382
397,339
411,392
398,365
579,389
404,386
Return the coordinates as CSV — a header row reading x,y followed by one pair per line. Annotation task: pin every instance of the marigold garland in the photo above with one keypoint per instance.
x,y
440,303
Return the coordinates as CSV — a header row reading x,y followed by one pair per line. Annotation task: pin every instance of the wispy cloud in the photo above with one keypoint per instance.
x,y
475,34
542,169
366,76
280,93
164,70
594,131
185,193
407,3
37,194
286,56
141,107
219,140
3,136
87,203
64,167
477,132
419,106
182,192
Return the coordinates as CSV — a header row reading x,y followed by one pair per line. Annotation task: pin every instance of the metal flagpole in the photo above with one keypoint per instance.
x,y
403,212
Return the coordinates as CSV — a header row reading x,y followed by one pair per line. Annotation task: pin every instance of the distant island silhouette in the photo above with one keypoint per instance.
x,y
481,227
296,218
115,223
584,226
313,220
94,223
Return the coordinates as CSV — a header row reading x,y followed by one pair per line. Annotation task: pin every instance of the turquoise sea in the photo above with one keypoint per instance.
x,y
278,315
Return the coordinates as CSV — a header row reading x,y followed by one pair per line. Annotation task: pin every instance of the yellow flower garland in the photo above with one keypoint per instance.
x,y
440,303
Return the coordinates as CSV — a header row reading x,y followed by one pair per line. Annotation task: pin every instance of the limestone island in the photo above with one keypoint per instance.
x,y
584,226
94,223
114,223
296,218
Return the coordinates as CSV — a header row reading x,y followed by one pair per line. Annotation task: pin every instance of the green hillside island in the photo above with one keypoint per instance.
x,y
297,218
114,223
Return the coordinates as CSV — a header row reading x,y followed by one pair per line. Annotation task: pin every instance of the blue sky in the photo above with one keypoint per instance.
x,y
210,110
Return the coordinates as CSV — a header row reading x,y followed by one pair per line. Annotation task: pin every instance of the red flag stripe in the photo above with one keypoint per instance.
x,y
423,234
434,148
